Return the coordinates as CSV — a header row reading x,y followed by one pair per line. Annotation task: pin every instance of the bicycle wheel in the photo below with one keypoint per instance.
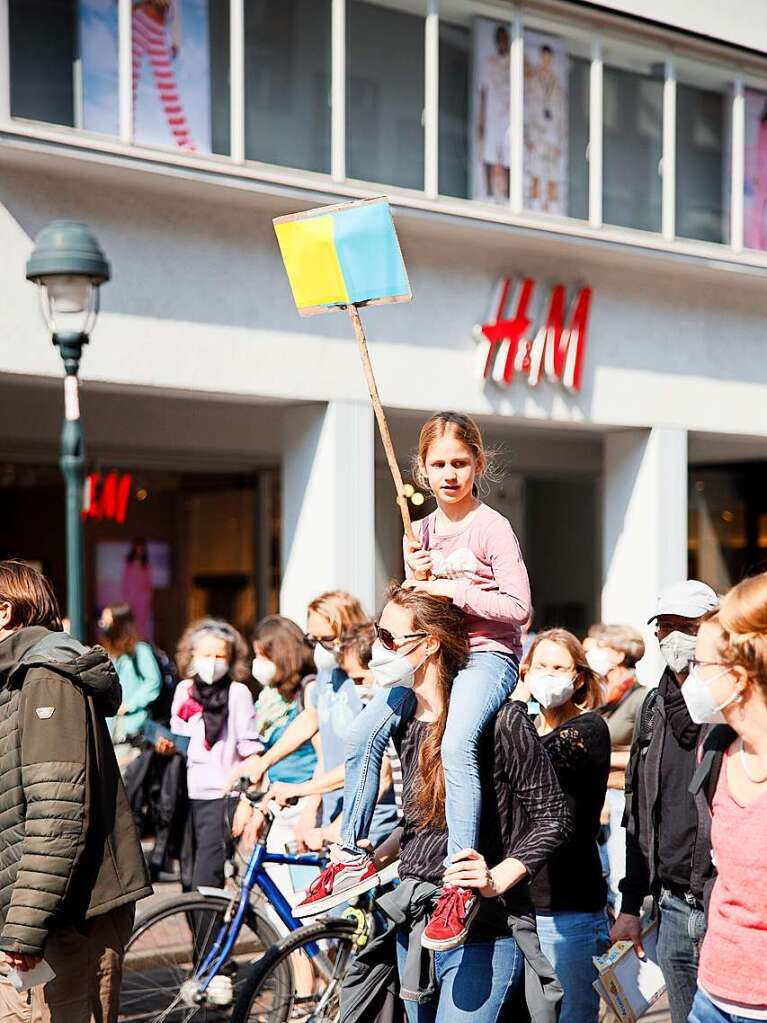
x,y
267,993
167,945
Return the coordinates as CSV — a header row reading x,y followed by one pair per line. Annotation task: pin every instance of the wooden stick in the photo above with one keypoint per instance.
x,y
383,426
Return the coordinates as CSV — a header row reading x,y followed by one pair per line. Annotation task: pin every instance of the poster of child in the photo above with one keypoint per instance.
x,y
170,71
546,123
755,171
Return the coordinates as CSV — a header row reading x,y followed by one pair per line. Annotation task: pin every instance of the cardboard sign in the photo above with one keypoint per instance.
x,y
628,984
338,256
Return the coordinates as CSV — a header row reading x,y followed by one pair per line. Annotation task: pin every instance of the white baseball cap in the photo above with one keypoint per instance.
x,y
688,599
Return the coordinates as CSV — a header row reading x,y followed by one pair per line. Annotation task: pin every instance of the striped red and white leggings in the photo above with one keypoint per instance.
x,y
150,38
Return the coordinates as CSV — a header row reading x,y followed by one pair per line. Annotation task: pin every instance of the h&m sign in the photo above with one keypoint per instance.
x,y
535,338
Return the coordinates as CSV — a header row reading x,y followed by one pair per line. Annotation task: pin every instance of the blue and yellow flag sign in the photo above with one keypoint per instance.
x,y
343,255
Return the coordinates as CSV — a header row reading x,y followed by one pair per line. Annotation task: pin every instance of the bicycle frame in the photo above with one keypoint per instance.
x,y
256,876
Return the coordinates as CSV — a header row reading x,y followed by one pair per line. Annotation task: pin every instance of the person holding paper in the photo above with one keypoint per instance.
x,y
668,845
71,866
727,687
570,893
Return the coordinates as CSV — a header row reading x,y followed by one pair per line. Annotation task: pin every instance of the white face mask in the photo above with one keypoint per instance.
x,y
210,669
700,703
263,670
678,649
391,668
325,660
600,660
550,689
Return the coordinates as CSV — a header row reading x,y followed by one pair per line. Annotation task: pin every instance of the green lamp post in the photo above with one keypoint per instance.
x,y
68,266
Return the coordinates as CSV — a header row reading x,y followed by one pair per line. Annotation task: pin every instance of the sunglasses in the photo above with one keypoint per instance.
x,y
392,642
328,642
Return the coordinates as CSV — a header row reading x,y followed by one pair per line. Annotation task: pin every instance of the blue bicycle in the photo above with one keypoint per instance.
x,y
189,956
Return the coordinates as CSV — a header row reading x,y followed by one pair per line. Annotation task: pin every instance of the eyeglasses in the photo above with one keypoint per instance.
x,y
392,642
695,663
328,642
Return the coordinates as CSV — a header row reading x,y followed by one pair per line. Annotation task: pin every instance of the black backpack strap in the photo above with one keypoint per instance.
x,y
716,741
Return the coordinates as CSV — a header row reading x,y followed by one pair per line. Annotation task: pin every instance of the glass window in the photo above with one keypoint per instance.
x,y
755,177
385,93
287,83
43,51
632,141
454,104
556,129
218,54
702,163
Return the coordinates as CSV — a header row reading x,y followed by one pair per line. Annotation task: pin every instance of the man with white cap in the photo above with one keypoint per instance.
x,y
668,851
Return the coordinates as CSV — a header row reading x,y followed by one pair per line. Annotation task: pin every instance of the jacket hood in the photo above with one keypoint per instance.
x,y
87,667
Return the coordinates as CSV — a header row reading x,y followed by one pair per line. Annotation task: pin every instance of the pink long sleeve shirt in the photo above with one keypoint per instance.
x,y
208,769
732,961
493,588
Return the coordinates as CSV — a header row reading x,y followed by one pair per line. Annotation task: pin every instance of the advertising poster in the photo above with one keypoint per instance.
x,y
491,110
755,177
128,572
547,70
170,71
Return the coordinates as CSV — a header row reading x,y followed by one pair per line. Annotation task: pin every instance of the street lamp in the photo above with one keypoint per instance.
x,y
68,266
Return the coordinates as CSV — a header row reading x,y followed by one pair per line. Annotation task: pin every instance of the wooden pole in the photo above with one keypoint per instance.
x,y
383,426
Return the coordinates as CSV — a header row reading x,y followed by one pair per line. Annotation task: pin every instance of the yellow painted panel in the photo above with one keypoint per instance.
x,y
309,255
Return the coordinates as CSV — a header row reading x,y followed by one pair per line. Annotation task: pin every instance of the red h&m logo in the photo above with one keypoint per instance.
x,y
511,344
107,497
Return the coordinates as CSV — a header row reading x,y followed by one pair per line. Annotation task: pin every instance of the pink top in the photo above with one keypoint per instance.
x,y
208,769
493,588
735,948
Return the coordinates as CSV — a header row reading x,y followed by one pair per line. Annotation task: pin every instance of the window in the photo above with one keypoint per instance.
x,y
702,156
385,93
287,83
556,125
454,104
755,171
632,140
218,18
43,44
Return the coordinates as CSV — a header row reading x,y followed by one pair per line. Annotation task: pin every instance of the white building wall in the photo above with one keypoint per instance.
x,y
741,22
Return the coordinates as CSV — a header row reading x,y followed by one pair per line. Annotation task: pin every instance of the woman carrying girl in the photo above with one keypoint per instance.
x,y
466,554
524,819
570,892
727,684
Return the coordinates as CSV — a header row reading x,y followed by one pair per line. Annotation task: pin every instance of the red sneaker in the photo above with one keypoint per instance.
x,y
450,919
338,883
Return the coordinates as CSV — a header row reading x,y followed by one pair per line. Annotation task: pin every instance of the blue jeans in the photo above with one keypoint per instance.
x,y
478,692
569,940
704,1011
680,933
475,981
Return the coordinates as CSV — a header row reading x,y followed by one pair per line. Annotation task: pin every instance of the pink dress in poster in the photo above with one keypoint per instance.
x,y
755,228
137,589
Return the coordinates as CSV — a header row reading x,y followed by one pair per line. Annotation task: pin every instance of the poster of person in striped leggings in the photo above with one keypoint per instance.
x,y
170,44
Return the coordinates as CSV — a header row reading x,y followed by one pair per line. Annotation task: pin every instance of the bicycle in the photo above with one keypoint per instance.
x,y
185,957
266,995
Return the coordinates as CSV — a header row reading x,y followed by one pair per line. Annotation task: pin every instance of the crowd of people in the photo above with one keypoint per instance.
x,y
541,801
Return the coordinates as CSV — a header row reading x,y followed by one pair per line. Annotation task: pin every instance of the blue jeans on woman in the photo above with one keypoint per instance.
x,y
569,940
478,692
704,1011
475,982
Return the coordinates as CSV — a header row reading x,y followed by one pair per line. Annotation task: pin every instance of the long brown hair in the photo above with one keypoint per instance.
x,y
588,688
121,636
446,623
30,595
742,617
284,644
465,429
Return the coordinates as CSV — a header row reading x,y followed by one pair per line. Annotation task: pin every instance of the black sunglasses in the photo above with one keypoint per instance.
x,y
324,641
390,641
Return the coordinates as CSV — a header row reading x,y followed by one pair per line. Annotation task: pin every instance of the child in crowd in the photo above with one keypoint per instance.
x,y
465,553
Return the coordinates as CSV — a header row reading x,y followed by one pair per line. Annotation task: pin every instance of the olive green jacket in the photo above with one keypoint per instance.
x,y
68,846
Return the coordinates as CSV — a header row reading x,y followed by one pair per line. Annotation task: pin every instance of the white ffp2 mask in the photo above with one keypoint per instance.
x,y
549,688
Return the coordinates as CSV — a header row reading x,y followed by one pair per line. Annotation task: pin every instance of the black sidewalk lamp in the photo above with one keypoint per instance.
x,y
68,266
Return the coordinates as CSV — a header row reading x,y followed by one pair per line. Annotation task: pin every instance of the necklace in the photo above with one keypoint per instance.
x,y
747,769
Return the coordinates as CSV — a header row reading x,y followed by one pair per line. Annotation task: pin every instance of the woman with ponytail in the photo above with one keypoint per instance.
x,y
422,643
727,685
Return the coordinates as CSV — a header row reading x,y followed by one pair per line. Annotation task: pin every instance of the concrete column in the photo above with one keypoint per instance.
x,y
644,527
328,519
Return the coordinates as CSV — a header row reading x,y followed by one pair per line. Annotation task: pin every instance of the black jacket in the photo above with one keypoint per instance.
x,y
68,847
640,819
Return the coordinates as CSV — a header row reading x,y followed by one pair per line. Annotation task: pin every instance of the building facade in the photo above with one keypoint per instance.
x,y
580,192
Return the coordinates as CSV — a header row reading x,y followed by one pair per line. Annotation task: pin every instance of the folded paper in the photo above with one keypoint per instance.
x,y
344,255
